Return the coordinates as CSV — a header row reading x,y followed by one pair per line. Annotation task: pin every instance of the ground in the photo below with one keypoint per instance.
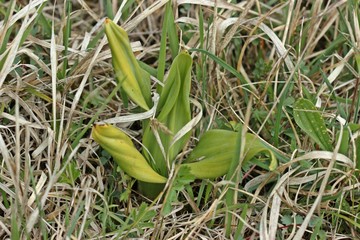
x,y
286,72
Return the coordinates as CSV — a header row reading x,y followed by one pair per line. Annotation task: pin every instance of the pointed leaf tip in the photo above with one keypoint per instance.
x,y
120,146
132,78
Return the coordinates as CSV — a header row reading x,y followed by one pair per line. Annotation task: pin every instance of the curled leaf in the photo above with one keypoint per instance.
x,y
120,146
133,79
173,114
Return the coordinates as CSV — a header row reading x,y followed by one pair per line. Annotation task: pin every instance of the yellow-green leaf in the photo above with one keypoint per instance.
x,y
133,79
120,146
213,154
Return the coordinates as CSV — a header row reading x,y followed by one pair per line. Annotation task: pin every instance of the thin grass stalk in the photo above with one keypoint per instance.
x,y
235,171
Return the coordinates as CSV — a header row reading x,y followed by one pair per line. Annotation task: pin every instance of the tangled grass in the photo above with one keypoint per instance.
x,y
252,60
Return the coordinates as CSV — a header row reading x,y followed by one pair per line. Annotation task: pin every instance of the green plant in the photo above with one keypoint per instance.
x,y
166,135
309,119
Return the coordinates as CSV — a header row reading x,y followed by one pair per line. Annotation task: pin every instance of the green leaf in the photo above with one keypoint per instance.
x,y
213,154
172,114
132,78
345,141
70,174
172,31
308,118
355,128
287,220
142,217
120,146
182,179
15,228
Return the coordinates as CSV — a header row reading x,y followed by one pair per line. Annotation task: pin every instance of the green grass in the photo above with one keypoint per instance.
x,y
56,182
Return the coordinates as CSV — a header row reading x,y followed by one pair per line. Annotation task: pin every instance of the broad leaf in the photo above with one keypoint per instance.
x,y
212,156
308,118
173,113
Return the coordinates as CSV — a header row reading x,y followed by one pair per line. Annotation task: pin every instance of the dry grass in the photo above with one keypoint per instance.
x,y
56,79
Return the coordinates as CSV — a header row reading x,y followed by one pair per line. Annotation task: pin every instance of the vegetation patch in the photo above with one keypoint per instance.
x,y
179,119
